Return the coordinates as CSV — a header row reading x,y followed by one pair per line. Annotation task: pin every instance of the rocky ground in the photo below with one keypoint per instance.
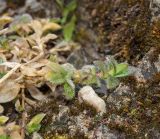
x,y
129,30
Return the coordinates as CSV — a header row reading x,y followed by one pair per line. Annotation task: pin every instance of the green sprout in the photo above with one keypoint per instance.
x,y
34,125
109,71
4,43
61,75
4,137
2,74
68,20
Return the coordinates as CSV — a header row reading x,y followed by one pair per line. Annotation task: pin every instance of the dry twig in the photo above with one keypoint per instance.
x,y
5,77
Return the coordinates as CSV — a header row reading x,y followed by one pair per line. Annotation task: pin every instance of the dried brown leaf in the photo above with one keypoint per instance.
x,y
51,26
36,93
52,87
30,102
28,71
11,127
37,27
5,20
15,135
48,37
8,91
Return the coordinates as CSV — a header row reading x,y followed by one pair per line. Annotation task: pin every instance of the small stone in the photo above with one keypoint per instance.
x,y
94,12
88,96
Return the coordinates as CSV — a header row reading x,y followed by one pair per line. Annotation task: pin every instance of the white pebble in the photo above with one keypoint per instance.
x,y
87,95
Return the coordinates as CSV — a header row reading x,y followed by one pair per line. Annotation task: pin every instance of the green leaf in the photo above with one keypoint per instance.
x,y
56,67
4,42
110,66
34,124
72,6
123,73
100,66
68,9
110,62
3,119
2,74
112,82
58,75
4,137
128,70
88,75
60,4
18,106
69,29
65,16
55,20
120,70
33,128
69,89
56,78
69,68
37,119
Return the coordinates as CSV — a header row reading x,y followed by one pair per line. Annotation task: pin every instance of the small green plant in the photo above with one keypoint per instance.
x,y
34,125
1,74
4,137
68,20
62,75
109,71
4,43
3,120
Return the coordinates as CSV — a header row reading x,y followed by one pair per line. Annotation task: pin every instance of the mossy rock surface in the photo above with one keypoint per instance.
x,y
125,29
130,31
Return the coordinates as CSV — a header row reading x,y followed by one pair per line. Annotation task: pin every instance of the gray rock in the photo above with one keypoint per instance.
x,y
147,68
153,133
82,125
122,96
103,132
155,9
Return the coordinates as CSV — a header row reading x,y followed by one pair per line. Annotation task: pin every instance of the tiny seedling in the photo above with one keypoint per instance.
x,y
1,74
68,20
3,119
34,125
4,137
4,42
60,75
109,71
